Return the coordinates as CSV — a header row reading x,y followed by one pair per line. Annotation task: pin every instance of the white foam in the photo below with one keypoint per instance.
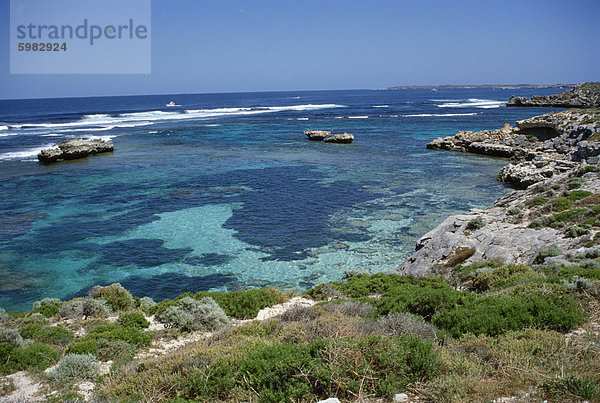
x,y
339,117
100,122
472,103
51,135
440,114
31,152
381,106
358,117
3,127
8,134
301,118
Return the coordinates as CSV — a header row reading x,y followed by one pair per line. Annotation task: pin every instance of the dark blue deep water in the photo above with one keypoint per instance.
x,y
224,192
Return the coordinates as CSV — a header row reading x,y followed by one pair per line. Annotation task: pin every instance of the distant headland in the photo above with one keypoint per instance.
x,y
429,87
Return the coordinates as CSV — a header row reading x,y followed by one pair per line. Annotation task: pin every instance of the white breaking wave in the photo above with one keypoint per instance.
x,y
31,152
99,122
301,118
358,117
381,106
440,114
3,127
473,103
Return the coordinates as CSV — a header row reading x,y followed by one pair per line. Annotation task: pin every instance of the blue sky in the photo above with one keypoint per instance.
x,y
203,46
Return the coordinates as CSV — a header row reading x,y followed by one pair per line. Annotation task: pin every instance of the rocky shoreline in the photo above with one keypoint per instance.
x,y
584,95
554,168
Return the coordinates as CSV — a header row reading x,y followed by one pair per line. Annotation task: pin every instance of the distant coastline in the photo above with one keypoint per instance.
x,y
428,87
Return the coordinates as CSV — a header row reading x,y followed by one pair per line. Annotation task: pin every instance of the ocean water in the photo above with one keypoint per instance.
x,y
224,192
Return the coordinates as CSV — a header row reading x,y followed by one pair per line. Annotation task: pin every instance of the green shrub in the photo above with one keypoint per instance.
x,y
561,204
420,299
244,304
48,307
87,346
586,388
193,314
577,195
397,324
175,317
567,215
146,304
33,357
11,336
56,335
576,231
114,350
476,223
504,276
116,296
575,183
114,331
74,367
90,308
586,169
134,319
551,251
539,201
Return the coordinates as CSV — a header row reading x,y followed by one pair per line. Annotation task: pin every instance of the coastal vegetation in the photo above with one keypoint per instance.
x,y
484,331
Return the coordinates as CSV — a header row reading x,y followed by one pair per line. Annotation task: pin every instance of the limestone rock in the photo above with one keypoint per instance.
x,y
75,149
584,95
345,138
317,135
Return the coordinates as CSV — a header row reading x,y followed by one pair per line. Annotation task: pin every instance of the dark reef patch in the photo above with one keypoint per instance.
x,y
137,252
208,259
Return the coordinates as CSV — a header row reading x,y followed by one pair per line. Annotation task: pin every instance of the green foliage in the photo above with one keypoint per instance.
x,y
146,304
576,231
11,336
90,308
116,296
577,195
307,372
419,299
115,350
476,223
586,169
87,346
586,388
55,335
551,251
561,204
244,304
539,201
90,343
48,307
133,319
192,314
75,367
33,357
504,276
567,215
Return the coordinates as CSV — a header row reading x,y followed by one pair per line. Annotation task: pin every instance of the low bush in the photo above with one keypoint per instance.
x,y
48,307
114,350
504,276
476,223
244,304
33,357
397,324
577,195
561,204
87,346
75,367
55,335
115,295
192,314
89,308
550,251
11,336
133,319
146,304
539,201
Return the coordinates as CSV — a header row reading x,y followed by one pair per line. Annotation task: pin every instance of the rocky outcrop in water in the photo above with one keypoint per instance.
x,y
584,95
75,149
541,146
317,135
326,136
345,138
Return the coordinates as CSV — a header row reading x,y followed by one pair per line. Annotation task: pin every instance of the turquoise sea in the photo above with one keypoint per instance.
x,y
224,191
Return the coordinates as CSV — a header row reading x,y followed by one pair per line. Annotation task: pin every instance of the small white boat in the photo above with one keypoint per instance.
x,y
433,90
172,103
